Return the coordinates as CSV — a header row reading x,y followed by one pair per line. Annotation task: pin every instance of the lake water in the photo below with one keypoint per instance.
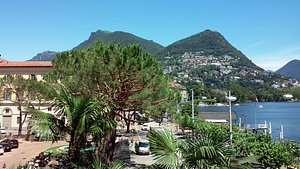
x,y
278,113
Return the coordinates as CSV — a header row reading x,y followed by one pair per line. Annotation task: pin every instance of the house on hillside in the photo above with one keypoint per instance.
x,y
182,89
9,112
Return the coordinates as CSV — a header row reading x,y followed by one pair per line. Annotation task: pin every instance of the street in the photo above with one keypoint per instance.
x,y
140,159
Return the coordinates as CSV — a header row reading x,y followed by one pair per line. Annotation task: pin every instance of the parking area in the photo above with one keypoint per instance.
x,y
26,151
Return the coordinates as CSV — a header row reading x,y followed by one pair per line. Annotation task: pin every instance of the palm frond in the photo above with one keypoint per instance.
x,y
116,165
165,148
43,124
205,152
96,163
243,162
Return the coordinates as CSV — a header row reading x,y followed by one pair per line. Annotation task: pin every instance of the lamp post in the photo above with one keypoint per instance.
x,y
193,114
193,109
230,99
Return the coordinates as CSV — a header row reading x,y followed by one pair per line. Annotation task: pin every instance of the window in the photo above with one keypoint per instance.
x,y
7,94
7,76
19,76
49,108
20,94
31,96
32,77
18,120
7,111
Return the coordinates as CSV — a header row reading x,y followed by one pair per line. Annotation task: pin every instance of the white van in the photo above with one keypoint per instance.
x,y
142,147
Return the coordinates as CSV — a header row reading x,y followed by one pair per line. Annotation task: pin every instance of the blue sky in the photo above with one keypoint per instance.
x,y
267,32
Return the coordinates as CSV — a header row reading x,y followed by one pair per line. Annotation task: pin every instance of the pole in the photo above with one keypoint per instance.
x,y
265,130
193,115
255,116
270,129
230,118
281,132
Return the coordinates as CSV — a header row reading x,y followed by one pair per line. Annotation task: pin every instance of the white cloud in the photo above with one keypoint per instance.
x,y
257,44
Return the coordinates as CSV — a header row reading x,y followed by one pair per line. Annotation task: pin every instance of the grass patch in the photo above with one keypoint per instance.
x,y
55,150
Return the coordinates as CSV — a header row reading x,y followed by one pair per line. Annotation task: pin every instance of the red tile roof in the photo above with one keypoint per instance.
x,y
5,63
173,84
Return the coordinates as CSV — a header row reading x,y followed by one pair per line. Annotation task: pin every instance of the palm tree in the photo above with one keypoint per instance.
x,y
210,149
96,163
165,148
173,153
77,116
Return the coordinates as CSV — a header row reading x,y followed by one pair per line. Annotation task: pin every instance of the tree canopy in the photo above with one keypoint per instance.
x,y
130,80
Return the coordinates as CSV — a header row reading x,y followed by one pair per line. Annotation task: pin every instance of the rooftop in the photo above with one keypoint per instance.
x,y
5,63
217,115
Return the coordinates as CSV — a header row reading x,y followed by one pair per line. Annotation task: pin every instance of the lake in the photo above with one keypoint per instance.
x,y
278,113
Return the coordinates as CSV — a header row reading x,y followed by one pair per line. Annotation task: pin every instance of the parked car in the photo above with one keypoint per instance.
x,y
142,147
1,150
145,127
157,128
12,141
6,146
3,130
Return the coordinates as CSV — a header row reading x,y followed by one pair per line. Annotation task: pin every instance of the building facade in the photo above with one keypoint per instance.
x,y
182,90
9,111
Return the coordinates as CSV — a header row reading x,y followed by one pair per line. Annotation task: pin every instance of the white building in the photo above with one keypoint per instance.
x,y
9,112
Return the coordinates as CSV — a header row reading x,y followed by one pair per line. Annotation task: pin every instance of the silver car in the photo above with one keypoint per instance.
x,y
142,147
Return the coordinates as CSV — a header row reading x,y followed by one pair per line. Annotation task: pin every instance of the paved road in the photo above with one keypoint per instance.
x,y
140,159
25,152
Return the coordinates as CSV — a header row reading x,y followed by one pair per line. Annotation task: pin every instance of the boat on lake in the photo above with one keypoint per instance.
x,y
220,104
288,96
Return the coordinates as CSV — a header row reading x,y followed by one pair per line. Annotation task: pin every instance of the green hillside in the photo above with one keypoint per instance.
x,y
209,43
44,56
122,38
209,59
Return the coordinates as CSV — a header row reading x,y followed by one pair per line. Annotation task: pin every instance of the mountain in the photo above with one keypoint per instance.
x,y
122,38
291,69
107,37
44,56
209,43
206,57
209,58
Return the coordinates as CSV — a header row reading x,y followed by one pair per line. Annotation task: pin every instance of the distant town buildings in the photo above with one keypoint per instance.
x,y
196,66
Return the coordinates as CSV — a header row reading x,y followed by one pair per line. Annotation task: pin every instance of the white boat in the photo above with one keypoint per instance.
x,y
219,104
260,106
287,96
201,104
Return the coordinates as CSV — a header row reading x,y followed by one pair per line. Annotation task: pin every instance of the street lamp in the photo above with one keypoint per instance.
x,y
230,99
193,109
193,114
